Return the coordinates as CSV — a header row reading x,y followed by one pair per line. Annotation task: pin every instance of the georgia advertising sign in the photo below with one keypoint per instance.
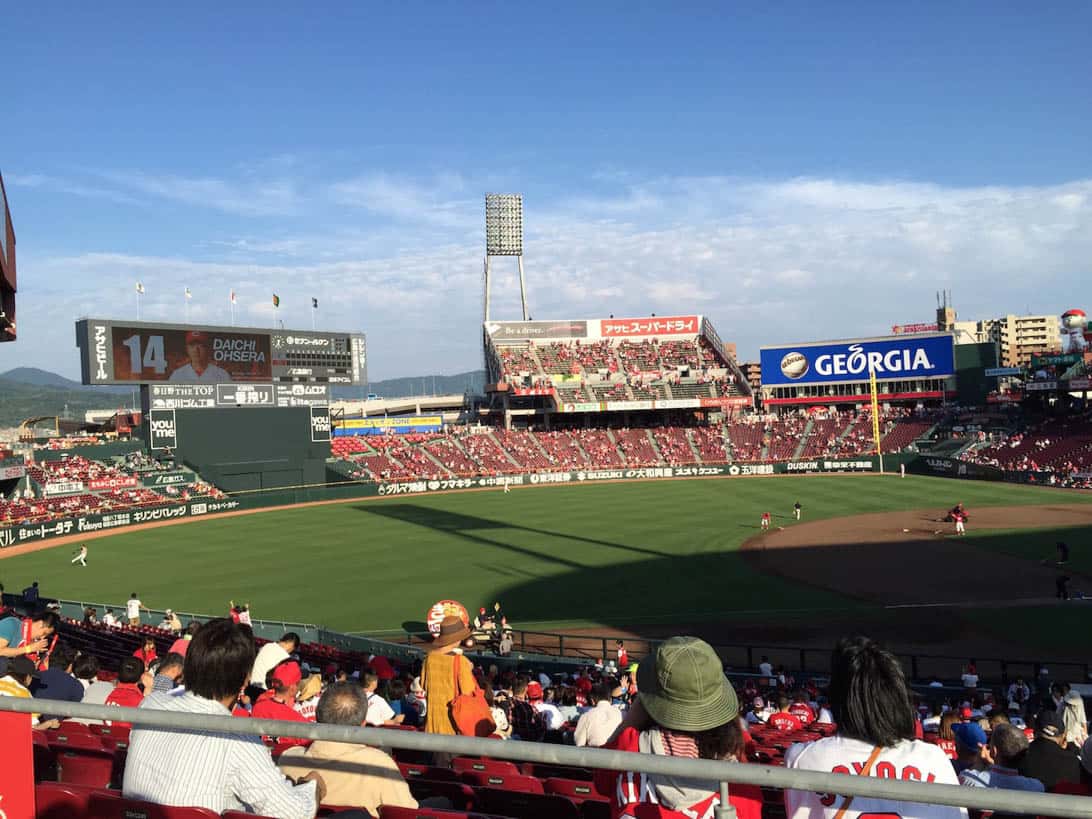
x,y
910,357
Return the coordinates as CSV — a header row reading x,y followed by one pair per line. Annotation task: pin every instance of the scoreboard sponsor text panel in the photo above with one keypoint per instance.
x,y
149,353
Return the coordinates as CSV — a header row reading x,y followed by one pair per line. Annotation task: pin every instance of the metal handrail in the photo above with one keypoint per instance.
x,y
709,770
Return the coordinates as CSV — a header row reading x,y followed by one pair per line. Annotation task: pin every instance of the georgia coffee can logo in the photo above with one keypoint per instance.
x,y
794,365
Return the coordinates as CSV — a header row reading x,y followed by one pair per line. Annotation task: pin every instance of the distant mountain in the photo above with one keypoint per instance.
x,y
472,381
39,378
19,401
34,377
28,391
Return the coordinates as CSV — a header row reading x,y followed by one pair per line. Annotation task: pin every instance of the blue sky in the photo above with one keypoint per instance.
x,y
796,172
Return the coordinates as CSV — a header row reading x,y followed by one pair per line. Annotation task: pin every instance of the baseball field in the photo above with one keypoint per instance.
x,y
646,558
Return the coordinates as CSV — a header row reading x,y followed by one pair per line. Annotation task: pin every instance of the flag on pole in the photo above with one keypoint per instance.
x,y
140,287
314,303
232,297
276,300
189,295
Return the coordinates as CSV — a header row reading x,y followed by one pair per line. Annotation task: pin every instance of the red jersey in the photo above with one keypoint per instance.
x,y
268,708
785,721
631,794
803,712
948,746
146,657
125,695
766,516
623,659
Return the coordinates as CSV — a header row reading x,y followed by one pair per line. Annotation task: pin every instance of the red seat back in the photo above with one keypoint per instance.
x,y
463,764
117,731
527,805
461,796
540,771
54,800
108,807
573,789
430,772
67,739
83,763
519,783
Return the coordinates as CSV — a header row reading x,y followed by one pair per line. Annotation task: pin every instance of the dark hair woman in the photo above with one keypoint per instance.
x,y
871,704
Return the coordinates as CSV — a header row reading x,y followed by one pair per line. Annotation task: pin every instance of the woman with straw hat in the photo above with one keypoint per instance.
x,y
685,707
443,664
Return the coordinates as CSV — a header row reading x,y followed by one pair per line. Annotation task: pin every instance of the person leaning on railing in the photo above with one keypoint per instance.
x,y
872,708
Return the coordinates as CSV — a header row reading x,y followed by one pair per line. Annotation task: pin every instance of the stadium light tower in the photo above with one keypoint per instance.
x,y
504,237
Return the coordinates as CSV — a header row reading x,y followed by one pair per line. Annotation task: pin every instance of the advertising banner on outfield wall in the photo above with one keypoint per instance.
x,y
382,426
846,361
630,474
120,482
63,487
32,532
954,468
168,479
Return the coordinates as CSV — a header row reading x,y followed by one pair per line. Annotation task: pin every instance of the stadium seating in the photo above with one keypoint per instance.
x,y
710,444
489,454
674,445
563,450
448,452
601,448
636,447
747,441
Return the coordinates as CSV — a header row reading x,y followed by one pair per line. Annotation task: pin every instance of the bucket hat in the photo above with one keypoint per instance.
x,y
683,687
452,632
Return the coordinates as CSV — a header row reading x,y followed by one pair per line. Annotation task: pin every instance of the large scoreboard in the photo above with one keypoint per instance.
x,y
191,366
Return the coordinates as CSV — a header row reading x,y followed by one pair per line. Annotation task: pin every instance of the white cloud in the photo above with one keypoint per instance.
x,y
252,197
440,201
55,184
769,261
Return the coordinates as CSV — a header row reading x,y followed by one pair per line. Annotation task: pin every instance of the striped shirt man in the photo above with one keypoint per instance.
x,y
208,770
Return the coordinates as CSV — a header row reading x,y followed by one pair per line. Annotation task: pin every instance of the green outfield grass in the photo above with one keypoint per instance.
x,y
625,553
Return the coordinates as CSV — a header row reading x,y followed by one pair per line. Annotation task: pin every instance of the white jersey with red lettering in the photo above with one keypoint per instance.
x,y
910,760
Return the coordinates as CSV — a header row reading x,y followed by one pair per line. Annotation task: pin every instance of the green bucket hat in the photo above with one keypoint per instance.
x,y
683,687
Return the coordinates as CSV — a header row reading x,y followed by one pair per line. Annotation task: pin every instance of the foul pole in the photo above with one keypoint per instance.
x,y
875,414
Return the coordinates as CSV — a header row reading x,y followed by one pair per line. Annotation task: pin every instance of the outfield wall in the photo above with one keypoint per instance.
x,y
28,533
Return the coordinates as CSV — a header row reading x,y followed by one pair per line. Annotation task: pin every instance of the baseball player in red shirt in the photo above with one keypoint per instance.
x,y
765,521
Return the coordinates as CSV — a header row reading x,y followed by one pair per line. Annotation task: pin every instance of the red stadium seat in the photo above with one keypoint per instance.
x,y
117,732
45,765
56,801
521,784
103,806
526,805
462,764
572,789
540,771
461,796
82,760
430,772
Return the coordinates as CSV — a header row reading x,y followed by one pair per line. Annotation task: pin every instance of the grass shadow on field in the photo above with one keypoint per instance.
x,y
469,527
